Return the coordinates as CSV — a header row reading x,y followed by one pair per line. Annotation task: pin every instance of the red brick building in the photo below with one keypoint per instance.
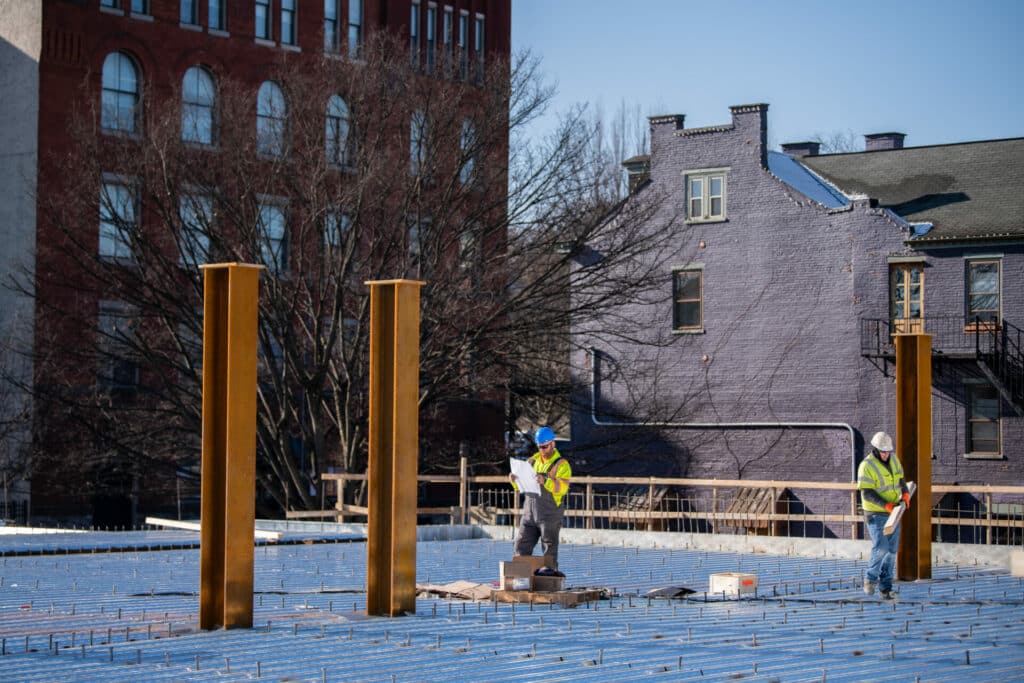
x,y
131,60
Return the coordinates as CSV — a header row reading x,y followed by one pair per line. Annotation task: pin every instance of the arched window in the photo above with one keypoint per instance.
x,y
338,137
271,120
198,101
120,93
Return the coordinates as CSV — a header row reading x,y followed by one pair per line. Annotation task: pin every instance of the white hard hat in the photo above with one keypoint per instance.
x,y
882,441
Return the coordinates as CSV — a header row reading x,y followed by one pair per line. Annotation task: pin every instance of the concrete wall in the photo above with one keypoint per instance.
x,y
20,49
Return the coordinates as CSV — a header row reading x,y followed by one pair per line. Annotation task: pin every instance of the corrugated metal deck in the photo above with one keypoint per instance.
x,y
132,615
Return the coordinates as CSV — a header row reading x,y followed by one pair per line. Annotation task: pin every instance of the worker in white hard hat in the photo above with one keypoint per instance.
x,y
882,487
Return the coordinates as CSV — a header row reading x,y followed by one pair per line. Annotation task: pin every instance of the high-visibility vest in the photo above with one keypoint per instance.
x,y
885,480
558,472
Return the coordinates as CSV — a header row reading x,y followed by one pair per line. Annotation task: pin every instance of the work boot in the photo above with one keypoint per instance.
x,y
869,587
889,594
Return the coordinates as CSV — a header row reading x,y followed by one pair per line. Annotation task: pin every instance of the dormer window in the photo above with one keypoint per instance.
x,y
705,195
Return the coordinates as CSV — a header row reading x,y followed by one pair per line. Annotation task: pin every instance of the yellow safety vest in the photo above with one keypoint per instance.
x,y
557,481
885,480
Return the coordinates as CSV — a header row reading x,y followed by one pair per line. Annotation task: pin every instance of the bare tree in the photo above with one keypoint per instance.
x,y
838,141
414,177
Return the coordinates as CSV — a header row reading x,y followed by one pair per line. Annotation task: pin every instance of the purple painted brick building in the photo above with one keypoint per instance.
x,y
769,354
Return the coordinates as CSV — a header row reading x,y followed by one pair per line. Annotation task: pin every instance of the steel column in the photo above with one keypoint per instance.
x,y
226,551
914,449
393,447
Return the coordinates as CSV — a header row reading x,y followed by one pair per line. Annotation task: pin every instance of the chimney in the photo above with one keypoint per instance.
x,y
638,170
752,120
880,141
801,149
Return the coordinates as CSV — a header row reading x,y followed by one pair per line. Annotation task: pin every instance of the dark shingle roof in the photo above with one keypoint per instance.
x,y
968,191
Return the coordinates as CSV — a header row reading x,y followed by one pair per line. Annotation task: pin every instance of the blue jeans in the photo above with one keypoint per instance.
x,y
883,550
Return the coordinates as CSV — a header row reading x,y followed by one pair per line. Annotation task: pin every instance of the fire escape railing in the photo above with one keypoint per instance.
x,y
996,345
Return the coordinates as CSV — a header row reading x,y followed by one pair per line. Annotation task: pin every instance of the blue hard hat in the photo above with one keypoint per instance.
x,y
544,435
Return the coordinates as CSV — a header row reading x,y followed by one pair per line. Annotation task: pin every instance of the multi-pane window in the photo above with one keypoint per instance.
x,y
414,33
338,133
417,143
448,34
687,309
906,297
983,413
332,35
116,367
705,196
336,227
431,36
189,12
463,43
198,100
217,18
467,152
272,234
118,215
983,290
263,25
196,214
289,30
120,104
271,120
478,46
355,28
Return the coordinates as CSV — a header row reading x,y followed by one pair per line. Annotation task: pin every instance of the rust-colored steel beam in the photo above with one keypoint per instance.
x,y
393,447
228,503
914,449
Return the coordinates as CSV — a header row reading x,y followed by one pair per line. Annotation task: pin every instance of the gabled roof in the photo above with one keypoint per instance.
x,y
967,191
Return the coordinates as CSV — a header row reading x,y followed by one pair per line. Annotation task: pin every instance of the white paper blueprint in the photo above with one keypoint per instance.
x,y
526,478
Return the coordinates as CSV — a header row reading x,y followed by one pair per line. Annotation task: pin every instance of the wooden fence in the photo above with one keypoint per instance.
x,y
636,502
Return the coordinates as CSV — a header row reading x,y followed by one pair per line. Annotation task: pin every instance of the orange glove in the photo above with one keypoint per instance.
x,y
906,500
889,507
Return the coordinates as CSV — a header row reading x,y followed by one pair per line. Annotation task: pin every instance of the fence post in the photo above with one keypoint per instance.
x,y
589,505
714,510
463,490
988,518
853,513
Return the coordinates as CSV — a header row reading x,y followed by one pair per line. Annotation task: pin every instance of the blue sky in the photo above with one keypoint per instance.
x,y
939,71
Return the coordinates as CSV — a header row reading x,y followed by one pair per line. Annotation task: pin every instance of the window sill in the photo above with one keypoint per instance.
x,y
290,47
218,32
191,27
690,331
265,43
693,221
142,17
111,10
984,456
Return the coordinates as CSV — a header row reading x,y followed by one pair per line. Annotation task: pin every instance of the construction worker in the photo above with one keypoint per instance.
x,y
882,486
542,515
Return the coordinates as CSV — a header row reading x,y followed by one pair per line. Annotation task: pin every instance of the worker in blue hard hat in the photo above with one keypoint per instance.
x,y
542,515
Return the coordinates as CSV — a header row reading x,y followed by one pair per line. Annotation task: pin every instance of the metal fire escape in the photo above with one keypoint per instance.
x,y
994,345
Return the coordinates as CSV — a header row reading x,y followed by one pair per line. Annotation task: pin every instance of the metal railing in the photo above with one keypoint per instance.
x,y
964,513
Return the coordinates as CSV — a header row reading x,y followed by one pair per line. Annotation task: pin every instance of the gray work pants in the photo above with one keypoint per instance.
x,y
541,519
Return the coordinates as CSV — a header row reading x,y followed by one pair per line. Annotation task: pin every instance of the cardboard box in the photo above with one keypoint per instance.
x,y
733,583
535,561
509,571
548,584
1017,563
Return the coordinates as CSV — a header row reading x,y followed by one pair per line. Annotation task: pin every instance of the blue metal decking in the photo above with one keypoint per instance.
x,y
132,615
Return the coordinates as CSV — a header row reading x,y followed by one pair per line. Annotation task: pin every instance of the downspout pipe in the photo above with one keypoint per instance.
x,y
717,425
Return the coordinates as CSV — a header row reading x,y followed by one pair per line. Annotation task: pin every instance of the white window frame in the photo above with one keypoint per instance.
x,y
969,312
705,177
969,388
